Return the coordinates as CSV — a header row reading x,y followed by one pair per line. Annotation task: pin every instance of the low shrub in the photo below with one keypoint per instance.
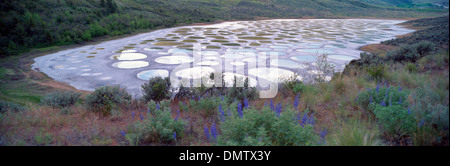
x,y
266,128
382,95
9,106
158,127
376,72
396,120
157,89
60,99
207,105
412,52
411,67
104,99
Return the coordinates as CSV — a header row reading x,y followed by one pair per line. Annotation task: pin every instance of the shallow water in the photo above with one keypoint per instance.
x,y
235,47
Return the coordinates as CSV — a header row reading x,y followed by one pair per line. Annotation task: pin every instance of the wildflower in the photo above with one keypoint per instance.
x,y
272,106
265,104
278,109
399,87
148,111
296,101
383,103
214,132
222,113
157,106
400,101
132,115
175,135
323,134
378,88
369,89
199,98
421,123
207,133
304,120
385,83
409,110
311,119
221,97
246,106
142,118
370,100
240,110
178,115
123,133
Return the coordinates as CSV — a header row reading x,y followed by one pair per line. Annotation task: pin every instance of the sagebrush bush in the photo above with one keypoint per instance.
x,y
412,52
395,120
207,105
60,99
9,106
156,128
157,89
104,99
376,72
411,67
265,128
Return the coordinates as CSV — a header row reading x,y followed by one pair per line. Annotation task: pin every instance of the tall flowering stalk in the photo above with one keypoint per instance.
x,y
279,109
246,105
222,113
207,133
239,109
214,132
296,101
272,106
323,135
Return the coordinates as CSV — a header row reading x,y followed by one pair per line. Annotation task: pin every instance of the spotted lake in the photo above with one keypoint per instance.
x,y
230,47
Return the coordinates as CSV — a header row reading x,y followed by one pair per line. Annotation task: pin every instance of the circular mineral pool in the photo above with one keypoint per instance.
x,y
149,74
228,78
172,60
195,72
129,56
316,51
208,63
341,57
273,74
304,58
130,64
287,63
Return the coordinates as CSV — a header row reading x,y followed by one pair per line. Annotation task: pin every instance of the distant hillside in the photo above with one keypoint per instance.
x,y
28,24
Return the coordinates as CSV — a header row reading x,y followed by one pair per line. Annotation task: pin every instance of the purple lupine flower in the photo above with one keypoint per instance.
x,y
383,103
385,83
222,113
157,106
240,110
304,120
132,115
207,133
214,132
399,87
323,134
142,118
400,101
386,92
296,101
311,119
246,105
409,110
175,135
199,98
272,106
370,100
178,115
369,89
278,109
148,111
123,133
221,97
265,104
421,123
378,88
229,112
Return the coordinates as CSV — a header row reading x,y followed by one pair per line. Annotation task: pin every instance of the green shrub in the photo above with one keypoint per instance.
x,y
411,67
412,52
8,106
376,72
207,105
395,120
264,128
103,99
382,95
158,127
60,99
240,93
156,89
